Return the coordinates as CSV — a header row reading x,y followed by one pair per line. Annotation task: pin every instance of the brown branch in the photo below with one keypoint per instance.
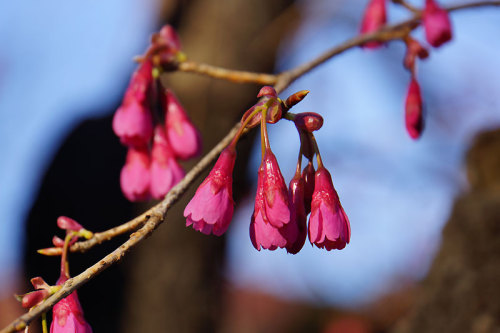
x,y
227,74
153,217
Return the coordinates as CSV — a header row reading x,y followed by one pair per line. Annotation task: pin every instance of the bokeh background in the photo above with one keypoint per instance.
x,y
63,69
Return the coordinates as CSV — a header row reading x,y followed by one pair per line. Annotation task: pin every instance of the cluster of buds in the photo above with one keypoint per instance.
x,y
279,219
437,26
67,313
153,124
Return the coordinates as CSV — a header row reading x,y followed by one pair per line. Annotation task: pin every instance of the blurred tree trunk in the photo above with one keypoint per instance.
x,y
175,278
462,290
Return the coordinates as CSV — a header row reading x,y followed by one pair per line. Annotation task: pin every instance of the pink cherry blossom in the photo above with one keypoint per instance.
x,y
413,110
182,135
373,19
165,171
329,226
135,176
295,232
271,212
140,83
133,124
211,208
436,24
67,315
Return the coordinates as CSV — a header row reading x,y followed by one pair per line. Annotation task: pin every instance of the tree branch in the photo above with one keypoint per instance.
x,y
153,217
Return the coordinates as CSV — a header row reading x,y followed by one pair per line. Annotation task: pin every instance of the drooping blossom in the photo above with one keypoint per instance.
x,y
165,171
271,212
414,119
437,24
67,314
308,177
182,135
295,232
133,122
135,176
329,226
211,208
374,18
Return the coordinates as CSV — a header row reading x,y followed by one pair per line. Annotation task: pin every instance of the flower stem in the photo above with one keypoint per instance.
x,y
263,132
44,323
64,255
316,150
238,134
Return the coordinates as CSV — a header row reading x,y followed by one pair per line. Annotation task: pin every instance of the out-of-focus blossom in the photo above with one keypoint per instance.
x,y
414,119
182,135
133,124
135,175
437,24
373,19
165,171
67,314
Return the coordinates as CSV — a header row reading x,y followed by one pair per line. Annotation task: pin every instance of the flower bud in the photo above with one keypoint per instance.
x,y
436,24
295,98
295,232
67,223
308,121
308,177
414,119
373,19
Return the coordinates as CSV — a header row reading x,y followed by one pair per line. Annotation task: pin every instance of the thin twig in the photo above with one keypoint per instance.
x,y
227,74
153,217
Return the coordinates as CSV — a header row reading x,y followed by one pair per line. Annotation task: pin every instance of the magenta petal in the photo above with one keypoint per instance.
x,y
279,214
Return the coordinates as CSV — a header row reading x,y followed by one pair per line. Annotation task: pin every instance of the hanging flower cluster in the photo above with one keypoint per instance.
x,y
279,219
153,125
67,313
437,27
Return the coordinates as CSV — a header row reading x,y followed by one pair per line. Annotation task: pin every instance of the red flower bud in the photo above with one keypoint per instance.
x,y
373,19
295,232
414,119
308,177
436,23
308,121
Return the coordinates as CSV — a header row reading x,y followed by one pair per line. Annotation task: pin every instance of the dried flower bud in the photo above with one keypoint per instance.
x,y
308,121
308,177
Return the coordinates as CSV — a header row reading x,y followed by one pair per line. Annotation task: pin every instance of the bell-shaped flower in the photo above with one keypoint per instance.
x,y
133,124
165,171
437,24
329,226
295,232
414,119
271,212
182,135
67,315
135,175
211,208
374,18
